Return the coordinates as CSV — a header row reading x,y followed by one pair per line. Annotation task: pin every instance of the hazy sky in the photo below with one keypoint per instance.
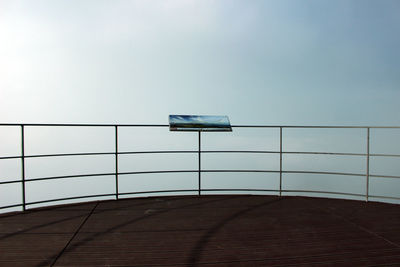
x,y
282,62
270,62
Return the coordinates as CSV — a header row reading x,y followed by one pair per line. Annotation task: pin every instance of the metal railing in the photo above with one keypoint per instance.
x,y
116,194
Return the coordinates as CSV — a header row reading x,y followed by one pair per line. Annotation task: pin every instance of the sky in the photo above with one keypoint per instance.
x,y
280,62
270,62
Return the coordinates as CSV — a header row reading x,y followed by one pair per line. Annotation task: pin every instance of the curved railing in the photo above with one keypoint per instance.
x,y
199,171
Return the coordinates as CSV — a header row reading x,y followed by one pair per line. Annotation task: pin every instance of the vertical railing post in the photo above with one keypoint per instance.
x,y
23,166
116,163
280,161
199,156
367,173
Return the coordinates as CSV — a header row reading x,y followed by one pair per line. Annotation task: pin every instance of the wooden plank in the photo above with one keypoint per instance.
x,y
204,231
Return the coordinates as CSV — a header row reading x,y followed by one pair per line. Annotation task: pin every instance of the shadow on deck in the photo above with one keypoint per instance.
x,y
224,230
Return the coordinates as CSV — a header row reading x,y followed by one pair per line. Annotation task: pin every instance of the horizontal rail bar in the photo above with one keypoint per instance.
x,y
341,154
386,197
264,171
68,198
167,125
315,126
324,153
82,125
149,172
158,152
12,182
244,189
138,152
70,154
195,151
323,192
11,157
123,173
384,155
141,125
329,173
159,191
193,171
384,176
11,206
192,190
240,189
240,151
69,176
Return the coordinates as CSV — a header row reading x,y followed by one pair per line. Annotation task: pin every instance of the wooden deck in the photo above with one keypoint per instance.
x,y
227,230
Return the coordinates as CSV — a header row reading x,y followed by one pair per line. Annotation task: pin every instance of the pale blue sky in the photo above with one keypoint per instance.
x,y
282,62
259,62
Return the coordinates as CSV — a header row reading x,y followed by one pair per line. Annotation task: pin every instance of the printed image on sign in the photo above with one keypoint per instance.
x,y
199,123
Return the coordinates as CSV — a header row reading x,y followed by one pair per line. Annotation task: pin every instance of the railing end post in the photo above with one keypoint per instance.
x,y
199,152
367,171
23,166
280,161
116,163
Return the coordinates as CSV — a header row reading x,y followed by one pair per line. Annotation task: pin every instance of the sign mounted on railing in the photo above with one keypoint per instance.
x,y
199,123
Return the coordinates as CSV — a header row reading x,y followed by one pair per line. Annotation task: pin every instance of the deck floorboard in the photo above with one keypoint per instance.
x,y
221,230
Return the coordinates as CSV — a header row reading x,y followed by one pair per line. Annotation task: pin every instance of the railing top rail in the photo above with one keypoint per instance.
x,y
315,126
83,125
235,126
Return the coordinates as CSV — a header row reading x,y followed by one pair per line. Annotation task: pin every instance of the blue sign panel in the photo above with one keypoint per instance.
x,y
199,123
